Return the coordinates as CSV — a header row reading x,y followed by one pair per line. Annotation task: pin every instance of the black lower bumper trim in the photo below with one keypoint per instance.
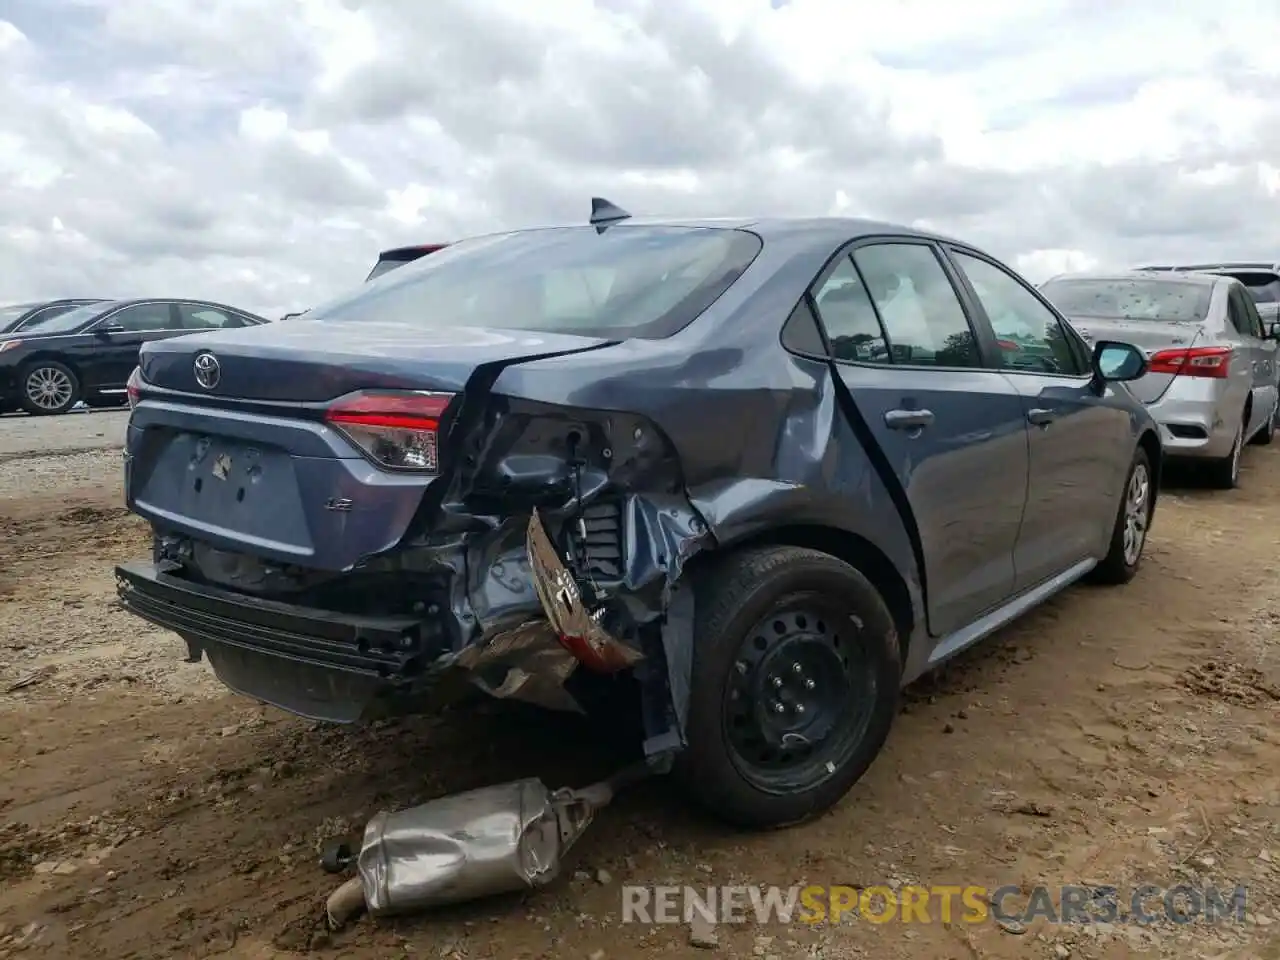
x,y
383,647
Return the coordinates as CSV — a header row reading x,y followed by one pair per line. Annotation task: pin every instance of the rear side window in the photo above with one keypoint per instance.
x,y
197,317
850,318
629,281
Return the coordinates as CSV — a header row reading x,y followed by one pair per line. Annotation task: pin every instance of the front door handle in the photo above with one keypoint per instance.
x,y
908,419
1042,417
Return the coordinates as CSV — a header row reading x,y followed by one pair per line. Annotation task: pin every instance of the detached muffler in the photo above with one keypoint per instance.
x,y
494,840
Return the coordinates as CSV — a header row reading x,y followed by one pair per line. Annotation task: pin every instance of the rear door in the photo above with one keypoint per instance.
x,y
1259,353
1081,441
950,429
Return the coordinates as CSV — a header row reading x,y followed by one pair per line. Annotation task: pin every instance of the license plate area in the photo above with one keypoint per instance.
x,y
228,472
244,493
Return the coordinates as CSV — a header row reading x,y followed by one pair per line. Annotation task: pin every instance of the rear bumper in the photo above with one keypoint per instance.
x,y
1191,422
316,663
343,668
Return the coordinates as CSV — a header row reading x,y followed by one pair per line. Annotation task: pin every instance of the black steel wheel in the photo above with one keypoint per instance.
x,y
800,695
796,671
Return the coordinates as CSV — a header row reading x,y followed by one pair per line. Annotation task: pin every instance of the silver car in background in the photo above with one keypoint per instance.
x,y
1211,382
1261,279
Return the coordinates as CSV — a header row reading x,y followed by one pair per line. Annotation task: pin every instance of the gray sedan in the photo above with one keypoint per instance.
x,y
1211,381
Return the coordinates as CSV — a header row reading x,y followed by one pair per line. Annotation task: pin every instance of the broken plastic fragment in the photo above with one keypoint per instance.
x,y
579,629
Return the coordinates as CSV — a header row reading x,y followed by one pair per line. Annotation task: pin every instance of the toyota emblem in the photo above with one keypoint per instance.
x,y
208,370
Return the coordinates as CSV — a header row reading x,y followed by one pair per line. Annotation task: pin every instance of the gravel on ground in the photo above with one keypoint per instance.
x,y
1117,736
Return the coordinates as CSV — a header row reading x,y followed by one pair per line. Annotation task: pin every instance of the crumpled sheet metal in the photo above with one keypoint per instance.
x,y
494,840
531,661
579,629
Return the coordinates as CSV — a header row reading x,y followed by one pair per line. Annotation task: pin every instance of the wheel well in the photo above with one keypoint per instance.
x,y
856,551
56,358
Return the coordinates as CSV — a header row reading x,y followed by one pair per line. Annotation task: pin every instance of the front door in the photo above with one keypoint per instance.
x,y
119,336
952,431
1080,438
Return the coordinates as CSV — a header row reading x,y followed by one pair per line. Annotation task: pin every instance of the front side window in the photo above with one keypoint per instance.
x,y
142,318
923,319
1028,334
629,281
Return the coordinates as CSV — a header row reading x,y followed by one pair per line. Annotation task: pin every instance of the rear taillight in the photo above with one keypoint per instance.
x,y
1192,362
396,430
134,387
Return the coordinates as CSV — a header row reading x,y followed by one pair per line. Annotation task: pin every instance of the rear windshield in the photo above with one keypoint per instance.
x,y
1159,298
625,282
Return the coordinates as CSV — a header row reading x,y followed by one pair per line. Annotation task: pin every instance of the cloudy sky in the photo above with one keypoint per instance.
x,y
262,151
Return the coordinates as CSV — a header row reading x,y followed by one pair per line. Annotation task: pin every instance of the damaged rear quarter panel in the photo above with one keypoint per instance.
x,y
760,444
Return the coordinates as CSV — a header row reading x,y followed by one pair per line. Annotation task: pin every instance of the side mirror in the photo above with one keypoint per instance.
x,y
1115,362
107,329
1273,331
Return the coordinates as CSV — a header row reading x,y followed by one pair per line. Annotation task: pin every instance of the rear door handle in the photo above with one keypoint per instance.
x,y
1042,417
908,419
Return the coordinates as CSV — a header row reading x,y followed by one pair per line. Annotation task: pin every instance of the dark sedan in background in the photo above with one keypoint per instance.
x,y
87,353
18,316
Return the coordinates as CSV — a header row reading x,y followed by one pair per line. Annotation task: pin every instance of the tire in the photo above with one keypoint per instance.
x,y
782,609
1264,436
37,380
1121,563
1224,474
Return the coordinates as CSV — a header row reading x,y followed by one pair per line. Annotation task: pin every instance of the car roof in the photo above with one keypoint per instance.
x,y
112,304
823,231
1269,266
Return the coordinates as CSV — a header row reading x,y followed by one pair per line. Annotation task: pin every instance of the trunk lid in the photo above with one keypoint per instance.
x,y
1150,336
274,482
310,361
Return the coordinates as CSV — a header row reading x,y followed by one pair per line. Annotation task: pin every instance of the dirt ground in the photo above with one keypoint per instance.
x,y
1116,736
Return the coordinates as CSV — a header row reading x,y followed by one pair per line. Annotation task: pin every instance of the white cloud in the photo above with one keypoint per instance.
x,y
262,153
